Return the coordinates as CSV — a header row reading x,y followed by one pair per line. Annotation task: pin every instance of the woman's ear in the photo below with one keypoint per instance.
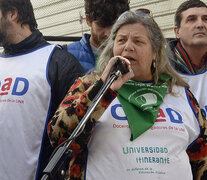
x,y
154,55
153,66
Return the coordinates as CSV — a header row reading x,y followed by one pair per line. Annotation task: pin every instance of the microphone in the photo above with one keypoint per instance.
x,y
121,66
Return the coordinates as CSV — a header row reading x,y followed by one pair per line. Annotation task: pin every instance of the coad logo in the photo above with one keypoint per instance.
x,y
174,116
19,87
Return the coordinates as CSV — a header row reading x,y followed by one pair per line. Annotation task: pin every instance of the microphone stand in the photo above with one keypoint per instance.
x,y
56,167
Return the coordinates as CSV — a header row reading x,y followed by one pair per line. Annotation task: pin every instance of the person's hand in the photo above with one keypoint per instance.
x,y
121,79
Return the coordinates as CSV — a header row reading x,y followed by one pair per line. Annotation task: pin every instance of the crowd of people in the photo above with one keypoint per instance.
x,y
149,124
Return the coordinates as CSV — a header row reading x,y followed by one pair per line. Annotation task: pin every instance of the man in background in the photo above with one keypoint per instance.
x,y
100,16
188,51
34,78
188,55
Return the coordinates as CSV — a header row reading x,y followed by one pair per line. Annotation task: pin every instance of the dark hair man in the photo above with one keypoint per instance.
x,y
190,47
100,16
188,55
34,78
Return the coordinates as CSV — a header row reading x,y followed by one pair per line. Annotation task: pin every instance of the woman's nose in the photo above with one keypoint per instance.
x,y
129,46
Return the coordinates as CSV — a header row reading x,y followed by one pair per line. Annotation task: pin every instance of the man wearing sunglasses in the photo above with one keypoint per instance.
x,y
100,16
188,55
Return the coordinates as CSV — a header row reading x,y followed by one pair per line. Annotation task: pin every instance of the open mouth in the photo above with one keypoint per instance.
x,y
130,58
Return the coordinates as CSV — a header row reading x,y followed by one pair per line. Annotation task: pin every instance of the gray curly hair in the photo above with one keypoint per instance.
x,y
158,43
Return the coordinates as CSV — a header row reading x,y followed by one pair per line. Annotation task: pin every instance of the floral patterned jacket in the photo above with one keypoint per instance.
x,y
73,108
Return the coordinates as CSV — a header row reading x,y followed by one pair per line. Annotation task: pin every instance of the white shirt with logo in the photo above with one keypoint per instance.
x,y
159,153
198,84
25,96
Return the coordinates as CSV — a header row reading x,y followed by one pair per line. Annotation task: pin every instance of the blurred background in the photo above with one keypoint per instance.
x,y
65,19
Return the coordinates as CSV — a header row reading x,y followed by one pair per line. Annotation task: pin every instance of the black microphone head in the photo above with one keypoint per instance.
x,y
121,65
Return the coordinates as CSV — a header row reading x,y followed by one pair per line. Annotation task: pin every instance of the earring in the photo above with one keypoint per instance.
x,y
153,66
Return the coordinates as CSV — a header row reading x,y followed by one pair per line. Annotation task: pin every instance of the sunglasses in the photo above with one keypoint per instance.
x,y
141,12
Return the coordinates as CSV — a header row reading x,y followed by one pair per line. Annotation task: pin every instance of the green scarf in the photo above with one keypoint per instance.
x,y
141,102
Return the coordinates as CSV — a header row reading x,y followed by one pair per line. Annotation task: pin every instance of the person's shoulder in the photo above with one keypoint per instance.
x,y
84,41
63,62
73,45
61,55
170,50
60,50
172,43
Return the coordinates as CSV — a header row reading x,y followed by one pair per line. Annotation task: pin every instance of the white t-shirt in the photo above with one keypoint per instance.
x,y
198,84
159,153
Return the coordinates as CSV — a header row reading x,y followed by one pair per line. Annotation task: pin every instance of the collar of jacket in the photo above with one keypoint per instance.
x,y
30,43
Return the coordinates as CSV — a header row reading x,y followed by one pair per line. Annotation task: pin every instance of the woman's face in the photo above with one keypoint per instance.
x,y
132,42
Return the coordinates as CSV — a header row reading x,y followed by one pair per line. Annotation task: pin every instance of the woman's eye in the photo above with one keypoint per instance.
x,y
138,41
121,40
205,18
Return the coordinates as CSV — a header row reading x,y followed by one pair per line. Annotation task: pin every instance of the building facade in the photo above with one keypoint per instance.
x,y
67,17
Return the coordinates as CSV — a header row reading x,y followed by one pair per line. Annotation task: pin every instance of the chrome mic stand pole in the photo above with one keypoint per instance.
x,y
55,167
